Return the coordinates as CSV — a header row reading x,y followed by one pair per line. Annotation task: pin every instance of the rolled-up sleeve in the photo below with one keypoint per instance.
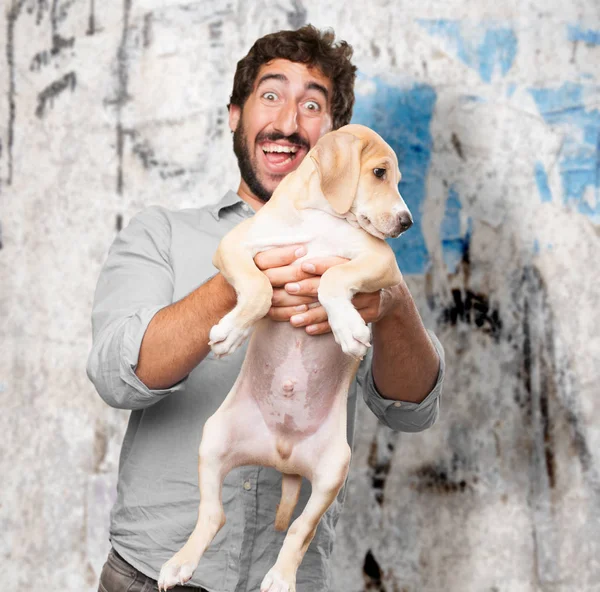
x,y
135,283
403,416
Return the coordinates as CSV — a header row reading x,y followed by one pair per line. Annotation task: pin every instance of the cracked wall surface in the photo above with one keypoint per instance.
x,y
494,111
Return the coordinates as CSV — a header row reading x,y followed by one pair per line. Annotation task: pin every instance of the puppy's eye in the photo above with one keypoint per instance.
x,y
379,173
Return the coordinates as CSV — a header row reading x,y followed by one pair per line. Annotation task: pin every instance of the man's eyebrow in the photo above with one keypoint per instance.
x,y
282,78
319,87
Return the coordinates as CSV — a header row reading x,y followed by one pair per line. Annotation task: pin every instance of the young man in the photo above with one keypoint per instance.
x,y
157,298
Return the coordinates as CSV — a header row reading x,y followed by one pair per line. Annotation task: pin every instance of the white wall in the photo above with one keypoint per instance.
x,y
493,108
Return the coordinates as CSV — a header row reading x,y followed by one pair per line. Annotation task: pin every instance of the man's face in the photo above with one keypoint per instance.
x,y
282,119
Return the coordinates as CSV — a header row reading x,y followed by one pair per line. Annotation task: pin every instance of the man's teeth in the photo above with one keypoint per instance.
x,y
278,148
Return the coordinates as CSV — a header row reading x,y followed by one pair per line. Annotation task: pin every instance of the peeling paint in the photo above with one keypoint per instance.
x,y
488,48
541,178
455,232
402,116
566,110
589,36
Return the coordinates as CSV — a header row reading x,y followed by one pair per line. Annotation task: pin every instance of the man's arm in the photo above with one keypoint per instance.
x,y
176,340
143,343
405,362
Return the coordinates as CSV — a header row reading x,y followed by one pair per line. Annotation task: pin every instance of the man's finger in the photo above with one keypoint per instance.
x,y
279,256
319,265
318,329
278,276
284,313
282,298
307,287
312,316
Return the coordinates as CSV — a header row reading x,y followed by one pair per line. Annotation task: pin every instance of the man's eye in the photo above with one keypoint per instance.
x,y
313,106
270,96
379,173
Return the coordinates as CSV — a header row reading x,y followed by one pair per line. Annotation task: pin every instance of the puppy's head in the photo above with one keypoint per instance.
x,y
359,177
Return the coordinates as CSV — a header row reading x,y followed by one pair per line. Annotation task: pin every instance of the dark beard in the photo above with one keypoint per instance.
x,y
240,149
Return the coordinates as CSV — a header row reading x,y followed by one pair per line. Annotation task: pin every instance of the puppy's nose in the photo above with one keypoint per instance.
x,y
405,221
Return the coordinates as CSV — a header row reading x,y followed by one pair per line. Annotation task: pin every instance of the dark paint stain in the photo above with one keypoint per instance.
x,y
100,446
42,58
119,222
394,64
145,153
472,308
91,19
50,92
11,19
536,351
42,6
433,478
375,49
372,573
147,30
443,479
380,460
457,146
297,17
215,31
122,95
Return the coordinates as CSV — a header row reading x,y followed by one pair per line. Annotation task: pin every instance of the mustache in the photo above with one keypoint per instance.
x,y
294,138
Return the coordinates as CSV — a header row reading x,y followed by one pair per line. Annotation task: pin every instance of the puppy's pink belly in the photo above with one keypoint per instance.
x,y
294,378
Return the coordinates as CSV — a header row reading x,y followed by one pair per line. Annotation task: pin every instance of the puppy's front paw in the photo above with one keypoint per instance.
x,y
226,337
351,333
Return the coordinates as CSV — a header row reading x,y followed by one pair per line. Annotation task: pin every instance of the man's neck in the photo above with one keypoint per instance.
x,y
247,195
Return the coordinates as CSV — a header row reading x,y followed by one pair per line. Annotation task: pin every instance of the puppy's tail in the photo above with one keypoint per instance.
x,y
290,492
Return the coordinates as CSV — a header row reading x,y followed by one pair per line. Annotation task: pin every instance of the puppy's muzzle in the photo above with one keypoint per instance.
x,y
403,222
395,224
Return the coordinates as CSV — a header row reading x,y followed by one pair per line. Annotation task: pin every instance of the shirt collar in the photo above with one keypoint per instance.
x,y
229,199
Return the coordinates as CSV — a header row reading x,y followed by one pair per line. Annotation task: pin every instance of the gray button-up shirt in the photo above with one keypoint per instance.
x,y
158,259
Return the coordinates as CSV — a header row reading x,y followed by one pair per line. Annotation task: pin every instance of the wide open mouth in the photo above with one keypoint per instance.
x,y
281,157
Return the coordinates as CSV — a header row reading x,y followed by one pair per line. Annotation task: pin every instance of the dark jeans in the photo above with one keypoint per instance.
x,y
118,576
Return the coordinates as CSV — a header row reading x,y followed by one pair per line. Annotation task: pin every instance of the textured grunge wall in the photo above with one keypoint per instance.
x,y
493,108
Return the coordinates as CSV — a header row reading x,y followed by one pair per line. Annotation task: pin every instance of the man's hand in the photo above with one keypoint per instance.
x,y
295,290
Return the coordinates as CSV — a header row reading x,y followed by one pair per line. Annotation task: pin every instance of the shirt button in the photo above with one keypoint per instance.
x,y
397,404
245,207
247,485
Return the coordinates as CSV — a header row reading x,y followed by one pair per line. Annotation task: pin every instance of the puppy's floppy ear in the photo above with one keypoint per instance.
x,y
337,158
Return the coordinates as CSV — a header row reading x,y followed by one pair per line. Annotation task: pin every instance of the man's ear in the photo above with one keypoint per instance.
x,y
235,112
337,159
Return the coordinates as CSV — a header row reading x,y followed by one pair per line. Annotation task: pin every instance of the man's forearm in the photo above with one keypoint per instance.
x,y
176,340
405,362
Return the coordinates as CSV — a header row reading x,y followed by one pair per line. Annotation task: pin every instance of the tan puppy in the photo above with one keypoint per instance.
x,y
287,408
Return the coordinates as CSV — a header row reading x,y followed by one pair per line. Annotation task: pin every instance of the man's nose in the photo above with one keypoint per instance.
x,y
287,120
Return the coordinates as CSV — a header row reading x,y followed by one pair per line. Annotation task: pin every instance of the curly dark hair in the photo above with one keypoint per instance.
x,y
309,46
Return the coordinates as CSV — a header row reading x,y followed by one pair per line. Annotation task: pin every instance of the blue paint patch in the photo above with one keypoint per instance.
x,y
454,244
541,178
536,246
402,117
577,33
493,52
579,160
